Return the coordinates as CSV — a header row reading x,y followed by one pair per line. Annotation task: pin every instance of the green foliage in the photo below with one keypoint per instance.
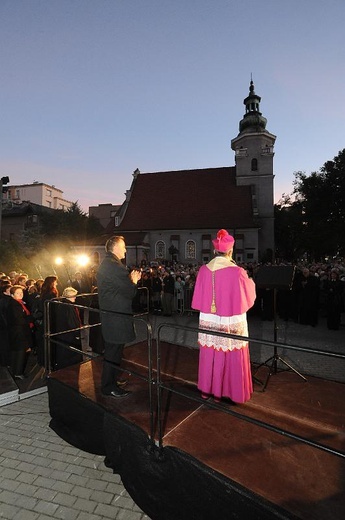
x,y
36,247
314,223
70,226
13,259
289,230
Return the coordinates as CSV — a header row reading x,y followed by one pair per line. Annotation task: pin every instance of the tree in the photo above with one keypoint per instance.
x,y
322,196
289,229
72,225
56,231
315,221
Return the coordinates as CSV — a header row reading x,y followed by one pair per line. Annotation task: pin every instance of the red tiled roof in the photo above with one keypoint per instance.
x,y
131,239
188,199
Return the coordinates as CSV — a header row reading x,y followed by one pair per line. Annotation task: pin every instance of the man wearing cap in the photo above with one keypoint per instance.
x,y
223,294
116,290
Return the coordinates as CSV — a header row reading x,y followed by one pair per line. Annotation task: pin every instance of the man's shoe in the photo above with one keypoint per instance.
x,y
118,393
122,382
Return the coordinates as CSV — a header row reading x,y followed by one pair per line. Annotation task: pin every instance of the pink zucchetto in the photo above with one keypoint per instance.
x,y
224,242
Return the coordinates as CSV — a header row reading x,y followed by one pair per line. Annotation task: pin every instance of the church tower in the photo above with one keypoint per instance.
x,y
254,151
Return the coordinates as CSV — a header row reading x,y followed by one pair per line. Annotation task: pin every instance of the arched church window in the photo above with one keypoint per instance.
x,y
254,165
190,249
160,249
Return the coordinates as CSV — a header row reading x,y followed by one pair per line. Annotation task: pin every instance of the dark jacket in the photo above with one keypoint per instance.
x,y
4,337
65,318
19,329
115,293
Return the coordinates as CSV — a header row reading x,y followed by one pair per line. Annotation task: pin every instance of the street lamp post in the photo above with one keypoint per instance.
x,y
3,180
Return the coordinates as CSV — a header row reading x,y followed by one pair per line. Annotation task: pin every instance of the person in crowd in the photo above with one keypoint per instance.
x,y
168,285
21,280
223,294
96,342
49,291
13,276
29,284
191,279
145,294
116,290
156,286
33,294
308,290
5,298
20,330
179,292
81,283
66,318
334,300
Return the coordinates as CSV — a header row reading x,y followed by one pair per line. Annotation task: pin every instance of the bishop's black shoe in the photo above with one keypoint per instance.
x,y
122,382
118,393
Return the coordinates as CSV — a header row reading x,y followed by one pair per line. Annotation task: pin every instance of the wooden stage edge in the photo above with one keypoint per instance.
x,y
216,461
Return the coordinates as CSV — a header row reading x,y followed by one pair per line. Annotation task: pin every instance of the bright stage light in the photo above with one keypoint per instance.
x,y
82,260
58,260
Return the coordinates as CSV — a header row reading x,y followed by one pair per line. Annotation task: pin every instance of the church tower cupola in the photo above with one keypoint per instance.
x,y
253,120
254,153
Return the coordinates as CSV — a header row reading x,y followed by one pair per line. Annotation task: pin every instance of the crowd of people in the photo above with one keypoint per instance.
x,y
317,290
22,327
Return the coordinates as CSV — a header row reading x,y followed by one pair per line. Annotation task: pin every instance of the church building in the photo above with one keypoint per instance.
x,y
174,215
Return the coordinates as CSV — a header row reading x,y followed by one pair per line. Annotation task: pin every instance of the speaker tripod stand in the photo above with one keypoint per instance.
x,y
273,277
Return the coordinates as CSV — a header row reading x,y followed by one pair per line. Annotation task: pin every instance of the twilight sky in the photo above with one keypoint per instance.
x,y
90,90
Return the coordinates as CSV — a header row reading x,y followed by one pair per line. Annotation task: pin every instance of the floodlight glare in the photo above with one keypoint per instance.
x,y
58,260
82,260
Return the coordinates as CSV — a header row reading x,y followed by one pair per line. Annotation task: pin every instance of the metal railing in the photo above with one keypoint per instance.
x,y
275,345
154,374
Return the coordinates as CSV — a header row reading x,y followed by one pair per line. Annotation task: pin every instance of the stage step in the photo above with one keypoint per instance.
x,y
10,392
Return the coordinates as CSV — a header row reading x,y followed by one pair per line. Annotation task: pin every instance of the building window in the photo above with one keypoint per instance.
x,y
254,165
32,219
241,152
267,150
190,250
117,221
49,203
49,193
206,242
239,242
160,249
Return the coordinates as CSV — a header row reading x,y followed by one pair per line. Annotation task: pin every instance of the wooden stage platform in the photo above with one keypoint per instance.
x,y
212,461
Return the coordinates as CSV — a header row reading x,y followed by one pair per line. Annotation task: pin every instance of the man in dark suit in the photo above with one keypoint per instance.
x,y
116,290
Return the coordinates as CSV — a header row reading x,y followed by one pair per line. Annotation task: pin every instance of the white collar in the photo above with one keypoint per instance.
x,y
220,262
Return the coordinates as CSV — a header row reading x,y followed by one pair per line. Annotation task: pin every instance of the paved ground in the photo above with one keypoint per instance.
x,y
42,477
